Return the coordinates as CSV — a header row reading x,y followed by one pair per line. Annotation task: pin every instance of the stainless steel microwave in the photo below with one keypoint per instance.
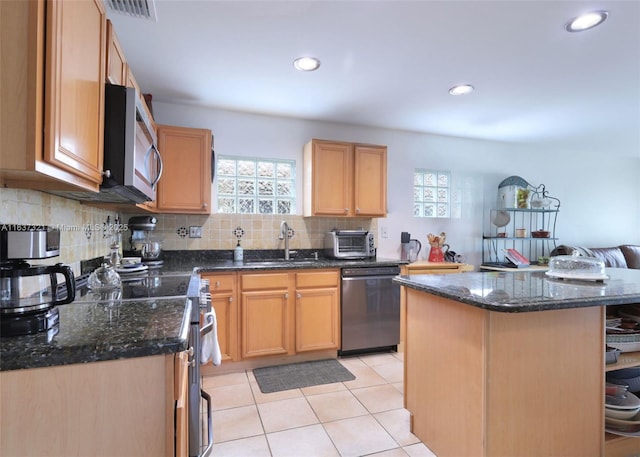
x,y
349,244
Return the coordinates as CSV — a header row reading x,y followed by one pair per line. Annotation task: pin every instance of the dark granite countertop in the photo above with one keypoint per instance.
x,y
516,292
98,331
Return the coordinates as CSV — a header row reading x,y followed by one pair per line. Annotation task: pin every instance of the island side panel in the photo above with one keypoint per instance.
x,y
444,373
117,407
545,383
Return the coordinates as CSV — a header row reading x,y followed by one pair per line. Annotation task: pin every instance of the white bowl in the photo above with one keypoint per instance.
x,y
629,402
620,413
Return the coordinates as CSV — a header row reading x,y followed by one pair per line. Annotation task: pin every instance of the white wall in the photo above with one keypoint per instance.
x,y
599,190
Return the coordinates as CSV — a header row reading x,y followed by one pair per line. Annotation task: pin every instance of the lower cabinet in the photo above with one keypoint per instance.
x,y
281,312
317,311
128,407
224,301
267,314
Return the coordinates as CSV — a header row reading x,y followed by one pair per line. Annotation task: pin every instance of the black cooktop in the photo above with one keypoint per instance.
x,y
140,287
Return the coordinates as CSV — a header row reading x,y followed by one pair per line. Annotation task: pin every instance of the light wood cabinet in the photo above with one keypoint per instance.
x,y
185,185
120,407
181,397
224,301
267,315
345,179
317,310
52,93
116,61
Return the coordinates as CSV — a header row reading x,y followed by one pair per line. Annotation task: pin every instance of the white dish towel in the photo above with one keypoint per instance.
x,y
210,349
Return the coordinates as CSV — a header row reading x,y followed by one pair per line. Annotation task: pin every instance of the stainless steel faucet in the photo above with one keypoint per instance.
x,y
284,235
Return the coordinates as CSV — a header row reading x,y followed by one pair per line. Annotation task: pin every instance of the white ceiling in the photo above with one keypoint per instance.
x,y
390,64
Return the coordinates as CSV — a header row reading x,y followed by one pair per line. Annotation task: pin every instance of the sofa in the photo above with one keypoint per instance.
x,y
623,256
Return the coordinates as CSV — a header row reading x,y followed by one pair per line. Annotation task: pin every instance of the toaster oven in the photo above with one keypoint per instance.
x,y
349,244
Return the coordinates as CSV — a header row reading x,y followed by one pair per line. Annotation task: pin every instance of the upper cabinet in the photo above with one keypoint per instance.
x,y
51,136
185,185
345,179
116,62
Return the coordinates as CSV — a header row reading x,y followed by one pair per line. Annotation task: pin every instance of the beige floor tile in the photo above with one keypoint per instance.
x,y
352,362
323,388
397,423
399,386
419,450
391,372
336,405
226,397
235,423
256,446
379,398
365,377
399,356
378,359
229,379
311,441
286,414
251,376
359,436
274,396
397,452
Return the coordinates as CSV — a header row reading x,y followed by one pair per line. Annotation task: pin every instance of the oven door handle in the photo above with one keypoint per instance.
x,y
207,398
207,328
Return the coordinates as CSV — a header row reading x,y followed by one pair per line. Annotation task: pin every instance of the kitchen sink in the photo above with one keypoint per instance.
x,y
280,262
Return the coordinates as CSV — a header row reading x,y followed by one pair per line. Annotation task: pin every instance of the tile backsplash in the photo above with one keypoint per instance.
x,y
260,231
82,227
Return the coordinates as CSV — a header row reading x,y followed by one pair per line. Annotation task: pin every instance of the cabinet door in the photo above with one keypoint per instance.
x,y
331,181
265,323
185,185
181,394
317,319
370,181
116,62
225,306
74,87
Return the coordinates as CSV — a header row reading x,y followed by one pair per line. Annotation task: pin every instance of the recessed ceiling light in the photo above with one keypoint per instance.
x,y
462,89
306,63
586,21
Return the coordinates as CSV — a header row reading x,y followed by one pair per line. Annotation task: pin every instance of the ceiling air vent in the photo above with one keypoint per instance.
x,y
143,9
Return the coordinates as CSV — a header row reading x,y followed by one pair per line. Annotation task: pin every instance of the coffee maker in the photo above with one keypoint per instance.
x,y
149,248
29,293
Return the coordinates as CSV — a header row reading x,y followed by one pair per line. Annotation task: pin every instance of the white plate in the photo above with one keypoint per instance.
x,y
583,276
132,270
626,347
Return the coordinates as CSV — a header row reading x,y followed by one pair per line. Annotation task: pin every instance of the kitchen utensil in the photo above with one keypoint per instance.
x,y
414,249
151,250
521,233
501,219
436,254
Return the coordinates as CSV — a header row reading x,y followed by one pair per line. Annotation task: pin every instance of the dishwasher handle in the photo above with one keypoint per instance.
x,y
367,278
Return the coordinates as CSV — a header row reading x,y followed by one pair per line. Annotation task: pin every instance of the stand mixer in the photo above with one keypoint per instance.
x,y
150,249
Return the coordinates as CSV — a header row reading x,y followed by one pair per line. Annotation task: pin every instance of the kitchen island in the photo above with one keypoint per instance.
x,y
506,364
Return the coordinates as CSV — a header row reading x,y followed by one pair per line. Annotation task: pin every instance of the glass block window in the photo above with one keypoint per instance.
x,y
256,186
431,193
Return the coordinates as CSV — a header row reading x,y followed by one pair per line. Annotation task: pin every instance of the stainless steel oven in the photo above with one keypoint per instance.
x,y
370,309
200,419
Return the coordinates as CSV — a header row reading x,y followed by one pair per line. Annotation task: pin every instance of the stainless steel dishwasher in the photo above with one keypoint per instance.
x,y
370,309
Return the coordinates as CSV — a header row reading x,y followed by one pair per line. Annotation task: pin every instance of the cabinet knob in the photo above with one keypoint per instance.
x,y
298,295
286,295
217,284
230,299
106,173
346,210
357,210
204,205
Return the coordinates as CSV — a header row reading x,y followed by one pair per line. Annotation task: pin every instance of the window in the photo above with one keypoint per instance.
x,y
256,186
431,193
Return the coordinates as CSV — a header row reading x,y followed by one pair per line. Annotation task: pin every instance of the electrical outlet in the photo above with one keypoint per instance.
x,y
195,232
384,233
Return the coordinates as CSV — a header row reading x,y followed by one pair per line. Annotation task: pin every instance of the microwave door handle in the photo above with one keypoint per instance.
x,y
159,163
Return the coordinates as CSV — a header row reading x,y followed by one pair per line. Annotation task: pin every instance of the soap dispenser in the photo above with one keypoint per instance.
x,y
238,254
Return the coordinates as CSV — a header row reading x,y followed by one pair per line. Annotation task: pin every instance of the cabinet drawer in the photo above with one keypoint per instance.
x,y
265,281
317,279
220,283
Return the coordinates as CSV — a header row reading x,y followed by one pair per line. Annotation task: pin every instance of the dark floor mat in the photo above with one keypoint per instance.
x,y
303,374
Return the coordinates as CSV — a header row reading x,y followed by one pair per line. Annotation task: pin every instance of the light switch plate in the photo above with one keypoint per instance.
x,y
195,232
383,232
